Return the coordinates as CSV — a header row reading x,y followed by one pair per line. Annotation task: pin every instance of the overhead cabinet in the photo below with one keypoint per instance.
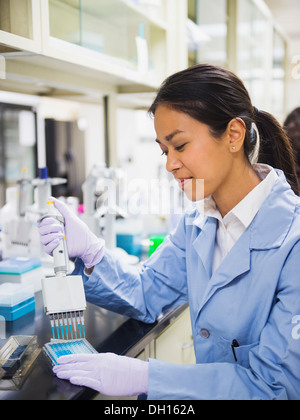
x,y
117,45
20,28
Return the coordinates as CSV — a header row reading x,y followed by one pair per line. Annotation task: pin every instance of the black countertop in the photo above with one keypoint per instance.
x,y
105,330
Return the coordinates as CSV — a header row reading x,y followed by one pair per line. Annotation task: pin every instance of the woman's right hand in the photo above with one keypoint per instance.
x,y
81,242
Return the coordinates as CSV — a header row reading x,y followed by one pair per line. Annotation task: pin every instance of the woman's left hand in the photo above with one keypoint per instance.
x,y
107,373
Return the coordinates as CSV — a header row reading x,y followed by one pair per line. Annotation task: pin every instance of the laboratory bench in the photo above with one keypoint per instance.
x,y
105,330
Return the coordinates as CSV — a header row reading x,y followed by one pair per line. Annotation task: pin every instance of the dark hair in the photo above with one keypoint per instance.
x,y
292,129
214,96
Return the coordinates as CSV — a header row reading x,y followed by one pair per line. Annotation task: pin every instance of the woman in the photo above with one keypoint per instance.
x,y
237,264
292,128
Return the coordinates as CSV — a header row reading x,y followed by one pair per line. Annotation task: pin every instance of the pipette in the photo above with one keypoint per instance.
x,y
64,297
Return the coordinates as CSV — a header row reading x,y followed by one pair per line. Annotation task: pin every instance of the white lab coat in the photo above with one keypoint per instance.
x,y
253,297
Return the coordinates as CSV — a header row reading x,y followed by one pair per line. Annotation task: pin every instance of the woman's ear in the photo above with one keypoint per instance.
x,y
236,131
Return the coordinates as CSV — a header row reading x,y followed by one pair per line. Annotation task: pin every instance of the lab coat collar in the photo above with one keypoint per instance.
x,y
274,219
245,211
269,227
268,230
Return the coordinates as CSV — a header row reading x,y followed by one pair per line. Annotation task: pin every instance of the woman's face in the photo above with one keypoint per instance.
x,y
194,157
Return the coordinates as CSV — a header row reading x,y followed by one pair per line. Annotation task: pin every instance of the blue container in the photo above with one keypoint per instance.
x,y
16,300
19,265
130,243
11,313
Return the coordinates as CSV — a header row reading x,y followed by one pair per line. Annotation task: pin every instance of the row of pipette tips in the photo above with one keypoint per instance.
x,y
67,325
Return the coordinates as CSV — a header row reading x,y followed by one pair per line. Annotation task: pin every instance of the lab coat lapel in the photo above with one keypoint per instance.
x,y
236,263
204,245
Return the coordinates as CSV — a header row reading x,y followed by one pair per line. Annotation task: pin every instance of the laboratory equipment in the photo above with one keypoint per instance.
x,y
101,209
131,243
142,51
64,303
2,372
154,242
100,206
58,348
64,297
43,184
20,214
22,270
16,300
43,189
16,229
25,194
17,356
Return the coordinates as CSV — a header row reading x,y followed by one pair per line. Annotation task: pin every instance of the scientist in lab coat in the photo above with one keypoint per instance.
x,y
237,263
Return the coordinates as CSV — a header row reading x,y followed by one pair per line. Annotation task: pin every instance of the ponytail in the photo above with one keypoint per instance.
x,y
292,128
275,147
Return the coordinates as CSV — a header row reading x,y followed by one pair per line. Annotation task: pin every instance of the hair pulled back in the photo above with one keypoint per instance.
x,y
292,129
215,96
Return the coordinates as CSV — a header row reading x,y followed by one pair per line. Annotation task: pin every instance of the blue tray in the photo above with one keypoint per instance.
x,y
11,313
19,265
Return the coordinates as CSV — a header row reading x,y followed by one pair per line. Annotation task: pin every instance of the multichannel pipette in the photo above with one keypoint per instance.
x,y
64,297
67,325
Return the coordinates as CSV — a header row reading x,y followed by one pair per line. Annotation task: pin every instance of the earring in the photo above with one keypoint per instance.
x,y
234,148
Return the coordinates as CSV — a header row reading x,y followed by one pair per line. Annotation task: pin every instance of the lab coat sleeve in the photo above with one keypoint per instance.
x,y
141,293
274,363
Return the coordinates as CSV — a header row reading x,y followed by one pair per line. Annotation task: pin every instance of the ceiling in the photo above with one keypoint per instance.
x,y
287,15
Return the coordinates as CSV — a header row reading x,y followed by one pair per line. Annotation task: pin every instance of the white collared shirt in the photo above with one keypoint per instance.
x,y
234,224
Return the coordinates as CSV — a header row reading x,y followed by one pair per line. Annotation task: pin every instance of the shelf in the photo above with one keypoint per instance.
x,y
112,70
109,28
20,25
117,8
39,75
145,12
68,49
54,52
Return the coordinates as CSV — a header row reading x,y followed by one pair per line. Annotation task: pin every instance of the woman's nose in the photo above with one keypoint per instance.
x,y
173,163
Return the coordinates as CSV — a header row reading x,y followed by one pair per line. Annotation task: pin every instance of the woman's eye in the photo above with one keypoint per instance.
x,y
178,148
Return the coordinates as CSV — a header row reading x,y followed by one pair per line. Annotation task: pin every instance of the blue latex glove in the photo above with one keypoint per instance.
x,y
106,373
81,242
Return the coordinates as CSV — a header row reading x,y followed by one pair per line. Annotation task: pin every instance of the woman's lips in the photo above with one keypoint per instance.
x,y
183,182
